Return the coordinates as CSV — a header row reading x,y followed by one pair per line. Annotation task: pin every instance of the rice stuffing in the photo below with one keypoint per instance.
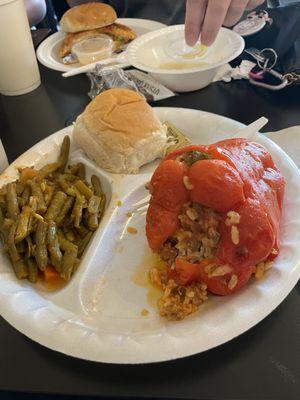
x,y
195,240
177,302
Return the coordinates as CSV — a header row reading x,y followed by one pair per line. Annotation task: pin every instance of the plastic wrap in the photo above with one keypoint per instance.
x,y
103,78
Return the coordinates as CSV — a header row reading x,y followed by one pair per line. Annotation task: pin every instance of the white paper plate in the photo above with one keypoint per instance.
x,y
47,52
97,315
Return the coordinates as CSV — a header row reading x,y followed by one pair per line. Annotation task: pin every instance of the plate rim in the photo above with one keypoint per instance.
x,y
262,314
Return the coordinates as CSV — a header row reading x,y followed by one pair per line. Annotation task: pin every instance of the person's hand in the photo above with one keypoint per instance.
x,y
207,17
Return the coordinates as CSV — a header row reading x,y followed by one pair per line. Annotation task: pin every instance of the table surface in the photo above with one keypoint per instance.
x,y
262,363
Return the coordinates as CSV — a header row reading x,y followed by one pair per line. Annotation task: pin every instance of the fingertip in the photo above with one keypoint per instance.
x,y
207,40
191,37
190,40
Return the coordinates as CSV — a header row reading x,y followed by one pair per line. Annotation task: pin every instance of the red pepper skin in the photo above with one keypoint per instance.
x,y
160,224
186,273
262,179
167,185
216,185
168,196
256,237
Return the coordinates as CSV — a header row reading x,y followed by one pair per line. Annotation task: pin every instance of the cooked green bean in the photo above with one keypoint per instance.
x,y
70,177
63,184
55,206
11,246
41,255
77,210
21,202
94,204
70,236
32,270
49,216
68,263
49,192
65,245
2,200
84,189
5,227
96,185
12,202
29,251
69,257
81,171
26,194
21,247
93,221
2,233
73,169
53,246
23,224
20,268
82,230
64,154
72,191
68,204
20,188
48,169
102,206
84,242
33,203
1,216
37,192
38,217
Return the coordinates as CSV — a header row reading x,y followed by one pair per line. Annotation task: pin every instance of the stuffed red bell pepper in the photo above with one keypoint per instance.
x,y
214,218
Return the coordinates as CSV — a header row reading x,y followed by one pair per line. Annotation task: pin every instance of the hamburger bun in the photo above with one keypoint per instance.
x,y
87,16
120,132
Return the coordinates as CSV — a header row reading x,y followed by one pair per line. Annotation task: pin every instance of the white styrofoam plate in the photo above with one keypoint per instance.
x,y
47,52
97,316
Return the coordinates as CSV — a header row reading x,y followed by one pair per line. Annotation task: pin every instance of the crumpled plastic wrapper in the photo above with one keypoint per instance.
x,y
104,78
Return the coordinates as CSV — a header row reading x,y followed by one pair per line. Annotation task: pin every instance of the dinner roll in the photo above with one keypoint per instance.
x,y
120,131
87,16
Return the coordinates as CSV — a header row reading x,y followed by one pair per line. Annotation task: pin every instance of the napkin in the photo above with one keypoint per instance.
x,y
289,140
226,73
3,158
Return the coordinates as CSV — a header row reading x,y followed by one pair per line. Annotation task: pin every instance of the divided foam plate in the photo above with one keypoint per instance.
x,y
96,316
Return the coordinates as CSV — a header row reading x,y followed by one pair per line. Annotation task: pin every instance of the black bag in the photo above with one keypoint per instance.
x,y
283,36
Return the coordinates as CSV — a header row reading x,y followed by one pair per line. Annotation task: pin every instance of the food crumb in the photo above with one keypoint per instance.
x,y
129,214
132,230
119,203
144,312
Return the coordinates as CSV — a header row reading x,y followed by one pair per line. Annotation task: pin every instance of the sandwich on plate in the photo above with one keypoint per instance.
x,y
88,21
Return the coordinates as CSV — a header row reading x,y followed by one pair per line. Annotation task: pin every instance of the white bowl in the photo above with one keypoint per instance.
x,y
148,54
